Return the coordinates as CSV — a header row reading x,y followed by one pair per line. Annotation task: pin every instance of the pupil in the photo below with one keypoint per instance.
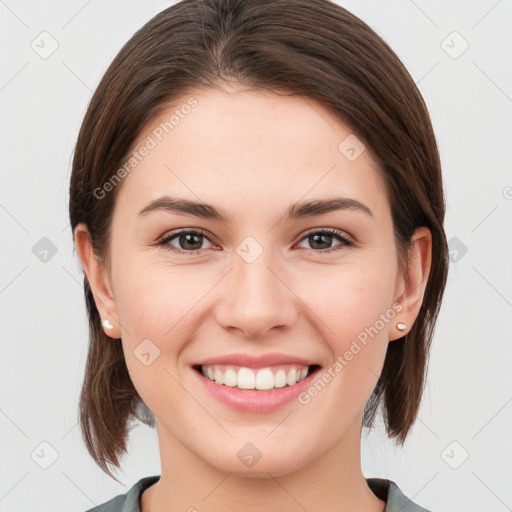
x,y
315,238
188,236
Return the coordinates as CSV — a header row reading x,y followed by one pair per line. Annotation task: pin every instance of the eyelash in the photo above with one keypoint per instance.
x,y
328,231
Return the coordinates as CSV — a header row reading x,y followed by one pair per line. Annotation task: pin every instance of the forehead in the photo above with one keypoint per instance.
x,y
250,149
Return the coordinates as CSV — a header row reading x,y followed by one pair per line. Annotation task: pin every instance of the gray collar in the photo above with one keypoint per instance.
x,y
384,489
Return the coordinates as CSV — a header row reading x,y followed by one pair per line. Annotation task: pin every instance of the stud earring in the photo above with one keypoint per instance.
x,y
401,326
107,325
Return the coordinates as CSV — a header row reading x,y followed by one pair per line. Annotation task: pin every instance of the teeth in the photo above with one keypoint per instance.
x,y
246,379
230,378
291,378
280,379
219,377
262,379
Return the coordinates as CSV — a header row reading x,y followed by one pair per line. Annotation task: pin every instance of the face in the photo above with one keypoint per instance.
x,y
257,282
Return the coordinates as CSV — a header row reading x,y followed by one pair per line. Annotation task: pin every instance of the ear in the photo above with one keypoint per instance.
x,y
99,280
412,285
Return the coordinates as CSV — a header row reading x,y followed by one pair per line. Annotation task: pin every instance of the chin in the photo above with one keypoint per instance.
x,y
267,466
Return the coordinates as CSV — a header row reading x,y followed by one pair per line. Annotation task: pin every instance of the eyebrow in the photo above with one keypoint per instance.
x,y
296,211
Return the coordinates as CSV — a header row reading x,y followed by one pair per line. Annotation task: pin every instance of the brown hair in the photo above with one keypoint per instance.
x,y
313,48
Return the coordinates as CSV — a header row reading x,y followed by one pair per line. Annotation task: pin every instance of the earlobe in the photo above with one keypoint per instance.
x,y
107,325
401,326
415,280
98,280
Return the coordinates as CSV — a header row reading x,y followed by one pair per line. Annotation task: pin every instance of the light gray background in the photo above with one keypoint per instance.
x,y
467,408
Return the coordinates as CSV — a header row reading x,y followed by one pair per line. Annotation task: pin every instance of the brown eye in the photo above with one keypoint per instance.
x,y
187,241
191,241
320,240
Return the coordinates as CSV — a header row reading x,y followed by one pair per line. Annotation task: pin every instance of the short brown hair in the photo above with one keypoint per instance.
x,y
313,48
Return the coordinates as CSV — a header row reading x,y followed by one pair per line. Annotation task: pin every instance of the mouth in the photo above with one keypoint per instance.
x,y
257,379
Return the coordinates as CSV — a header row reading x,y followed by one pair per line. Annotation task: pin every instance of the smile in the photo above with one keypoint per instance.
x,y
262,379
225,383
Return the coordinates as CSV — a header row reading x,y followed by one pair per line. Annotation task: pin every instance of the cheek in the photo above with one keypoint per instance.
x,y
154,318
354,314
157,313
151,297
353,309
350,298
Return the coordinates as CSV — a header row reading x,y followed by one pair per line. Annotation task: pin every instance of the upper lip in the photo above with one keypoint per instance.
x,y
251,361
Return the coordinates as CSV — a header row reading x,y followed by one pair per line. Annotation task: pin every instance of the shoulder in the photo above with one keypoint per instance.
x,y
395,499
129,501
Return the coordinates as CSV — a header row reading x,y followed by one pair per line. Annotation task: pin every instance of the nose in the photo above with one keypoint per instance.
x,y
257,301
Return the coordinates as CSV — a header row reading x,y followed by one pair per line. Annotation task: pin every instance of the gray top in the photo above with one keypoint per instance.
x,y
384,489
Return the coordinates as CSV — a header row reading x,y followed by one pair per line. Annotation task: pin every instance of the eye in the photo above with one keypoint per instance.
x,y
325,237
188,241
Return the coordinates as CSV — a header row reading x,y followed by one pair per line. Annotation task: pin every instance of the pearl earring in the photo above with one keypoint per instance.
x,y
107,325
401,326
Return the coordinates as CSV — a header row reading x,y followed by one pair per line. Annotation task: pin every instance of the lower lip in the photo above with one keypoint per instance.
x,y
252,400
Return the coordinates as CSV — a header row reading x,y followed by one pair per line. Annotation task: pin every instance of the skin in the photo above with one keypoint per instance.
x,y
254,154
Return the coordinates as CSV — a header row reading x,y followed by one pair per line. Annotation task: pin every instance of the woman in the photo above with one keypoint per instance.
x,y
257,203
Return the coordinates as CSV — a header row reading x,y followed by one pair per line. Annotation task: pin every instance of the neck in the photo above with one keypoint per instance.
x,y
333,482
